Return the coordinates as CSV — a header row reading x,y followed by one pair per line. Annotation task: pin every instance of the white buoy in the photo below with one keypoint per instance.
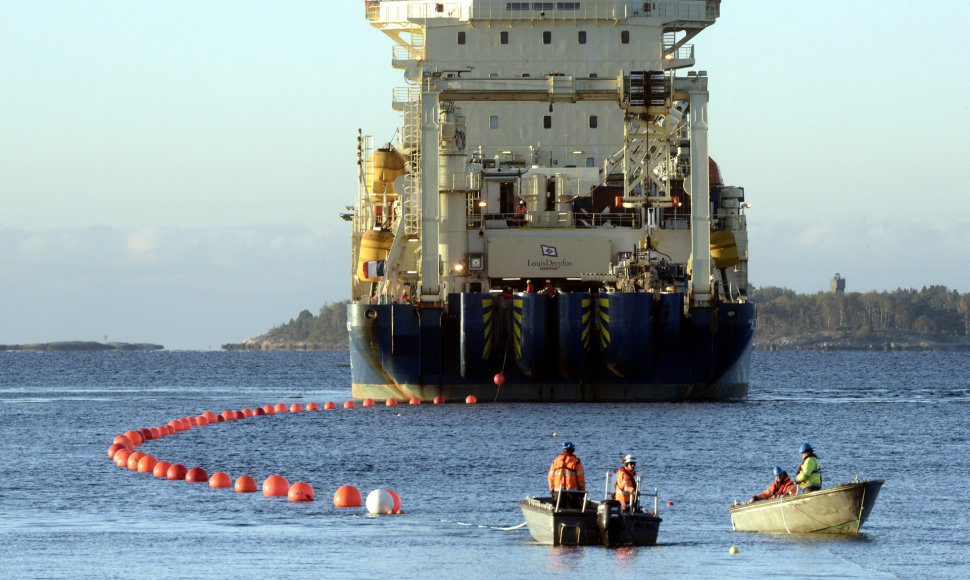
x,y
380,501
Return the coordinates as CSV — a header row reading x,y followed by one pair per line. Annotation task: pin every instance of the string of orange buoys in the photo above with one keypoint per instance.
x,y
122,452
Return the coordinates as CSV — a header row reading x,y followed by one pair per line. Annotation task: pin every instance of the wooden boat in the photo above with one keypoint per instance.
x,y
595,522
838,510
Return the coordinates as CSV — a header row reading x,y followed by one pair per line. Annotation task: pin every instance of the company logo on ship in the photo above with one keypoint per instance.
x,y
547,264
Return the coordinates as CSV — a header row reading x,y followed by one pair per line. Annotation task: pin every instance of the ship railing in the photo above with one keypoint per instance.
x,y
553,219
401,11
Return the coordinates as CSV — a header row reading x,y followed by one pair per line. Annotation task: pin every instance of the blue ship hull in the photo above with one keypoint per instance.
x,y
574,347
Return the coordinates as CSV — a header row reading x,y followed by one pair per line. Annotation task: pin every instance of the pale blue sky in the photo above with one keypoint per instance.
x,y
172,172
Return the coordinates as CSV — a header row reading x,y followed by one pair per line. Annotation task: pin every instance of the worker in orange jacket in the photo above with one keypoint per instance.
x,y
781,486
566,475
626,482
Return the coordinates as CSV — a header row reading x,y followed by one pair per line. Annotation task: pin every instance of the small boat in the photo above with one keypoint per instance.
x,y
838,510
592,522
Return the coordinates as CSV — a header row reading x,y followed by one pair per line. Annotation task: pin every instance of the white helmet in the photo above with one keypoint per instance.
x,y
629,459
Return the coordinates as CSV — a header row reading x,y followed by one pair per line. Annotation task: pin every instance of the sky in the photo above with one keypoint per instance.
x,y
173,172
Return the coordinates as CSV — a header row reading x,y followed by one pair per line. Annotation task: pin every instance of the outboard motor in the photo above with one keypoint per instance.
x,y
609,520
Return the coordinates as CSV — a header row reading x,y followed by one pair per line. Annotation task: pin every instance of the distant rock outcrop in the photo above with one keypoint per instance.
x,y
82,345
871,341
263,344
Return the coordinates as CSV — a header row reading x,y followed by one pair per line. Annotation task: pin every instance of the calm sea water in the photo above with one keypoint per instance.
x,y
68,511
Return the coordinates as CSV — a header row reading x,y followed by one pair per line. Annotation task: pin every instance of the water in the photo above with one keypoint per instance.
x,y
68,511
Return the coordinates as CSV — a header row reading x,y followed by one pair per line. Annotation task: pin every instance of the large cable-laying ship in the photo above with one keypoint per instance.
x,y
547,224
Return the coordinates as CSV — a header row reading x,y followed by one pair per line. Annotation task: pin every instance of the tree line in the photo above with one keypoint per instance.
x,y
933,311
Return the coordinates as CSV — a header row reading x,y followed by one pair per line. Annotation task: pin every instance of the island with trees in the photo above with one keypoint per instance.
x,y
933,318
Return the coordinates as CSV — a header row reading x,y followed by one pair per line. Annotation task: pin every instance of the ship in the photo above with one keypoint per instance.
x,y
547,224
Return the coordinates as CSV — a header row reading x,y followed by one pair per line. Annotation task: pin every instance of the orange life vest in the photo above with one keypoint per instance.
x,y
567,473
626,484
777,489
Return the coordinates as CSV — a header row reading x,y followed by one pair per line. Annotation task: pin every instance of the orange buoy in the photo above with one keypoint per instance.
x,y
124,440
114,449
196,474
146,435
210,416
346,496
238,415
147,464
135,436
248,413
133,459
121,457
349,405
368,402
296,408
161,469
280,407
471,400
245,484
156,432
228,415
391,402
176,471
275,485
176,425
220,479
439,400
186,425
220,419
201,421
269,409
300,491
415,401
193,421
397,500
259,411
311,406
499,379
329,405
670,503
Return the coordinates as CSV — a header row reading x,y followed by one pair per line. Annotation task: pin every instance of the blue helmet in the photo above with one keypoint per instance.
x,y
778,471
805,447
568,445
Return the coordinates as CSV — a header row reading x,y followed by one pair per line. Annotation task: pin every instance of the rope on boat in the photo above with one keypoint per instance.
x,y
781,505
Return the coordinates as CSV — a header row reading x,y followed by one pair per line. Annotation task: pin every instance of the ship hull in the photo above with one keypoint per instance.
x,y
578,349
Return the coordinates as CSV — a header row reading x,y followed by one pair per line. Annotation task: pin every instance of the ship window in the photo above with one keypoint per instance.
x,y
546,37
593,121
504,37
493,122
567,5
589,162
547,122
625,36
542,5
593,75
516,5
582,37
461,37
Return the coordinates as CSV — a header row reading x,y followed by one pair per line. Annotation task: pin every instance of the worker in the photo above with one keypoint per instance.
x,y
626,483
550,289
520,211
809,476
507,293
782,485
529,286
567,480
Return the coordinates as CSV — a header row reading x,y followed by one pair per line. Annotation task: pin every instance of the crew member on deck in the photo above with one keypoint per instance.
x,y
520,211
550,289
626,482
567,480
782,485
809,476
529,286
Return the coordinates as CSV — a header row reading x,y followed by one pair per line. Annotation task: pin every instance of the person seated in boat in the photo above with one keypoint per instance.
x,y
782,485
626,483
520,211
809,476
567,480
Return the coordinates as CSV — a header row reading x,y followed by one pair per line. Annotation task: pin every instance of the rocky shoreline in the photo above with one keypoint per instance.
x,y
253,344
74,345
876,342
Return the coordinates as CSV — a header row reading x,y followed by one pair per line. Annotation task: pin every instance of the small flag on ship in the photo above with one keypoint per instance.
x,y
374,269
549,251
